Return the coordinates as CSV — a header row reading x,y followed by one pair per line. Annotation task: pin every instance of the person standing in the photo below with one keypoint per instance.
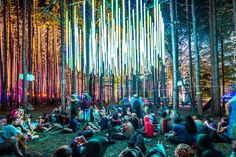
x,y
231,106
73,106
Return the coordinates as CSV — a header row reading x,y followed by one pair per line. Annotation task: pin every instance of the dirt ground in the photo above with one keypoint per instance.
x,y
48,142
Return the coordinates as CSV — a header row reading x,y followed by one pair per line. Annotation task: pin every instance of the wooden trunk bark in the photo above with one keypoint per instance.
x,y
24,56
175,57
197,60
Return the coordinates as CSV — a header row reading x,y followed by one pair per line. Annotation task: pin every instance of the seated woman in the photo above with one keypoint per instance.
x,y
191,128
127,128
164,127
148,127
222,130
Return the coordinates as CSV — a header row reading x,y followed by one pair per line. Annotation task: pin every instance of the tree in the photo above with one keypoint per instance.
x,y
62,55
234,8
72,17
175,57
29,49
197,64
18,54
215,60
4,82
189,50
24,55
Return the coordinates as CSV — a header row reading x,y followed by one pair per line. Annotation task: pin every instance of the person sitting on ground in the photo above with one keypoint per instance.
x,y
148,127
198,120
191,128
205,148
131,151
127,128
103,123
135,121
210,124
223,125
179,132
137,140
164,127
116,118
222,131
10,137
184,150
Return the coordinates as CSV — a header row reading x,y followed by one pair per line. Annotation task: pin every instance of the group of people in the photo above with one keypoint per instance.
x,y
133,121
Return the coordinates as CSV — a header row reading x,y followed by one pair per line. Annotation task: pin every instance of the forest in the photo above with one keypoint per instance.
x,y
53,43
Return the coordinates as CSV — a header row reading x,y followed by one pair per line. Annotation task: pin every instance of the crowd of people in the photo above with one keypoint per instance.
x,y
134,121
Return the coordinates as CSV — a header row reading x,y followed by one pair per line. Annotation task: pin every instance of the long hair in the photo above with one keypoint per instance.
x,y
190,125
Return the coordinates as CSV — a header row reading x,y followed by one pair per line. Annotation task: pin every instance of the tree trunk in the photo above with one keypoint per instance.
x,y
29,51
11,48
189,51
4,82
73,13
222,66
24,55
18,56
62,56
163,80
175,57
87,29
1,68
197,62
234,8
47,64
215,60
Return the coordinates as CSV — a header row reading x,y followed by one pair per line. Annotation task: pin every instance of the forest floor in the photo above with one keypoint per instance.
x,y
48,143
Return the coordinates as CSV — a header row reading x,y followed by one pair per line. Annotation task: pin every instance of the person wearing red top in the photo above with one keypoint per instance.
x,y
148,127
